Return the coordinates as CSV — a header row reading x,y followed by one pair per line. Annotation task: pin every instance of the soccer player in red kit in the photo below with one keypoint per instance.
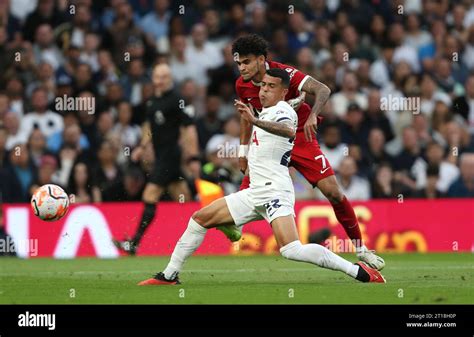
x,y
250,52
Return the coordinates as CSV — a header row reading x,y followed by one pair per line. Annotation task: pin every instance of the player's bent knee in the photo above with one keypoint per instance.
x,y
291,250
197,217
202,217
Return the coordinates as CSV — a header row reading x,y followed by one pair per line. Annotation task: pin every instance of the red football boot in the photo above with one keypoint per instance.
x,y
159,280
374,275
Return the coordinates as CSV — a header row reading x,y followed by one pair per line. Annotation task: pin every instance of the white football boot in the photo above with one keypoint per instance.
x,y
372,260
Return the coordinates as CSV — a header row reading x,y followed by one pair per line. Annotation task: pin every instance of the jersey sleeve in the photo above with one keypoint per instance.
x,y
297,78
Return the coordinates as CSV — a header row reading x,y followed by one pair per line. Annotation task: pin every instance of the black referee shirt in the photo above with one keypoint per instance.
x,y
166,114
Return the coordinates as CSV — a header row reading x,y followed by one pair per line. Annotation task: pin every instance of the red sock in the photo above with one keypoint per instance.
x,y
347,218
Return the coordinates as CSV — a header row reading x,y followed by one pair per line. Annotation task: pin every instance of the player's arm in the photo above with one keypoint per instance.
x,y
146,134
284,128
190,139
146,138
321,92
245,132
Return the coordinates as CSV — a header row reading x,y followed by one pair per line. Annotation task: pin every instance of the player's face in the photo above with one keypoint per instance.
x,y
271,91
249,66
162,79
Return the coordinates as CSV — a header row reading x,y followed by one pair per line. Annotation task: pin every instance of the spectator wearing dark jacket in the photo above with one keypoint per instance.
x,y
463,187
18,177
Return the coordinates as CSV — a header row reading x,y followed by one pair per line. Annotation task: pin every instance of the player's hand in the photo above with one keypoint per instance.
x,y
246,111
310,127
295,103
243,164
137,153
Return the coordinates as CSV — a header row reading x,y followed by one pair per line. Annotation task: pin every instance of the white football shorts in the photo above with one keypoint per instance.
x,y
244,208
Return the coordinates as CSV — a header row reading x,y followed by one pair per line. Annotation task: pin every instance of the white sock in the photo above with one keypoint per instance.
x,y
361,249
186,246
318,255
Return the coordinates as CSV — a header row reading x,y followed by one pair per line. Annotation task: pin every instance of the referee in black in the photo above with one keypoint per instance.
x,y
167,118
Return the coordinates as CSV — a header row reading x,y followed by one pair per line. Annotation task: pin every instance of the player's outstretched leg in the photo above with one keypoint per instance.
x,y
151,195
346,216
291,248
186,246
210,216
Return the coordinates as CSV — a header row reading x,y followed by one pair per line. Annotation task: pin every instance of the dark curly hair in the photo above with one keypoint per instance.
x,y
250,44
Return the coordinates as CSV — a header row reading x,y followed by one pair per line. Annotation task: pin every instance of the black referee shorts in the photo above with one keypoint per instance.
x,y
167,169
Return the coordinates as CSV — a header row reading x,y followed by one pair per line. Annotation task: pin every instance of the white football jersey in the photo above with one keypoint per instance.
x,y
269,155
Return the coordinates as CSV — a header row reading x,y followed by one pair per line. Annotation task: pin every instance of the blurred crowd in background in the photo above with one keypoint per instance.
x,y
363,50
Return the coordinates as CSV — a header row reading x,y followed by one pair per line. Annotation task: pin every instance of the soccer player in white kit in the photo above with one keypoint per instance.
x,y
270,196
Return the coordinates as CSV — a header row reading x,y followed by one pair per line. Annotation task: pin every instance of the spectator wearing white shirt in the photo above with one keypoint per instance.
x,y
348,94
129,134
403,51
203,54
15,90
44,48
12,126
181,66
380,69
353,186
89,54
430,94
47,121
448,172
416,37
22,8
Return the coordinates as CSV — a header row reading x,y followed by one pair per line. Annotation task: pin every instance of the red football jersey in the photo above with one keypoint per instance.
x,y
248,92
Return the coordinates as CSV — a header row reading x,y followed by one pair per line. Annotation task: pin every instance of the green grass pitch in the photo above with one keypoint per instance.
x,y
411,279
